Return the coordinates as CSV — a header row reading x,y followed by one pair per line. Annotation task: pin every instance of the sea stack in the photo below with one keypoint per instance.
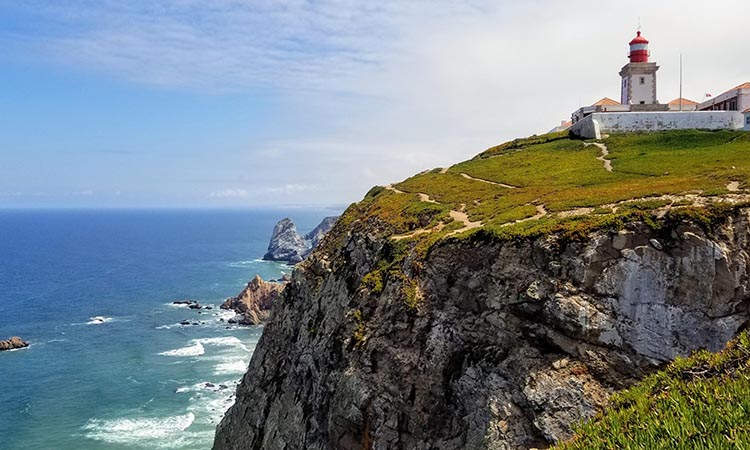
x,y
255,302
286,243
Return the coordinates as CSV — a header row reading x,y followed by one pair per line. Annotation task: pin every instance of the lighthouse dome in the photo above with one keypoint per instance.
x,y
639,49
638,39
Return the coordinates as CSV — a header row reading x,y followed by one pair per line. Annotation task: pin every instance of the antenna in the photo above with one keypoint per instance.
x,y
639,23
680,81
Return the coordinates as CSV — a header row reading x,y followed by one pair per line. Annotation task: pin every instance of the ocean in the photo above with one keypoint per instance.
x,y
134,378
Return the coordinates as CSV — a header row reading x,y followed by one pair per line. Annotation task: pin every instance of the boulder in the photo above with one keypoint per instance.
x,y
13,343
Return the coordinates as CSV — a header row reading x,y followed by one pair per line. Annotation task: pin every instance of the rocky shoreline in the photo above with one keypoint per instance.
x,y
13,343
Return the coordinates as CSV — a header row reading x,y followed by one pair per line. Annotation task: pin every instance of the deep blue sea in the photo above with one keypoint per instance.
x,y
135,378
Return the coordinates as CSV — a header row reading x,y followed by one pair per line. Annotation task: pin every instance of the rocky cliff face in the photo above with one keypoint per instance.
x,y
255,302
483,343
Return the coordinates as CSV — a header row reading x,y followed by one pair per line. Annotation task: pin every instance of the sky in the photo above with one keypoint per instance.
x,y
229,103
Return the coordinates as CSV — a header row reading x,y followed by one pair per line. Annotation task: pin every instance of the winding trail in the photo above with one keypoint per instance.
x,y
675,201
391,188
469,177
603,158
461,216
425,198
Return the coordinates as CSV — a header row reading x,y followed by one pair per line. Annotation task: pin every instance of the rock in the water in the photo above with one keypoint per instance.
x,y
254,303
13,343
315,236
286,243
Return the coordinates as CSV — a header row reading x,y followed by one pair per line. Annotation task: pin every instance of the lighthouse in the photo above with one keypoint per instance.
x,y
639,75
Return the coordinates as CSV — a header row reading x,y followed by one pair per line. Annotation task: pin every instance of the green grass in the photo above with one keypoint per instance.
x,y
700,402
562,175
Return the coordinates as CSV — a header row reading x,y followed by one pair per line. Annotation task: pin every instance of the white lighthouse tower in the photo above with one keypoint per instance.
x,y
639,75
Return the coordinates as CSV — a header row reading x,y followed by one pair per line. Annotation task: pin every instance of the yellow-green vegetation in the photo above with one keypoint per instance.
x,y
359,329
700,402
412,296
553,183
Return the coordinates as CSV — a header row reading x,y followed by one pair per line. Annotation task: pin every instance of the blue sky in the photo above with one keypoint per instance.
x,y
229,103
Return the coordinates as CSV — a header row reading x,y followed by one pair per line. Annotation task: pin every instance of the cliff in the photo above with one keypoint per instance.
x,y
494,304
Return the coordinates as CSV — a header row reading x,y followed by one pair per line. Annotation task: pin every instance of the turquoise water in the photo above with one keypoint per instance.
x,y
139,379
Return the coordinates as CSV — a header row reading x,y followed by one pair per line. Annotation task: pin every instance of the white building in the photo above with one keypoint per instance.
x,y
747,119
735,99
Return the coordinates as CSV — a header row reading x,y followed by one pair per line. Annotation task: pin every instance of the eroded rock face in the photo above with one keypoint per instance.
x,y
13,343
508,346
286,243
319,232
255,302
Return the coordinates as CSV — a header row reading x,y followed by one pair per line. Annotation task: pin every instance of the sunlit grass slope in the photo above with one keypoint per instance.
x,y
700,402
553,183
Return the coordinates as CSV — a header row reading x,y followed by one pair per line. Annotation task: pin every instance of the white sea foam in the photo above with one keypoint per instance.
x,y
196,346
179,305
140,430
196,349
209,386
231,367
225,341
246,263
98,320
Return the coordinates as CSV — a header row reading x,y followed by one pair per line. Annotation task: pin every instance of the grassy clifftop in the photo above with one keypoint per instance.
x,y
552,183
697,402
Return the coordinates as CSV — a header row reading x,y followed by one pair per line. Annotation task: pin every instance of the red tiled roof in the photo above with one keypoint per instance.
x,y
742,86
606,101
685,101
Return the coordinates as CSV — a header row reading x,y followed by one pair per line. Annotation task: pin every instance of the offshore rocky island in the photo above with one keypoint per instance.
x,y
498,303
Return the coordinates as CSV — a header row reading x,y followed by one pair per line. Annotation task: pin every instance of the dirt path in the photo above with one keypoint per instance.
x,y
391,188
603,158
461,216
469,177
425,198
444,170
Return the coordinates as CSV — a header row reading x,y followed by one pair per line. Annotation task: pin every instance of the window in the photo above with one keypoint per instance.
x,y
733,104
642,102
747,120
642,80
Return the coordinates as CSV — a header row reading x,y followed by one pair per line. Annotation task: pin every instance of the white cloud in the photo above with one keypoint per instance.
x,y
388,88
230,193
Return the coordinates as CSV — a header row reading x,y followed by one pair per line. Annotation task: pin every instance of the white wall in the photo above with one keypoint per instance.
x,y
642,92
659,121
